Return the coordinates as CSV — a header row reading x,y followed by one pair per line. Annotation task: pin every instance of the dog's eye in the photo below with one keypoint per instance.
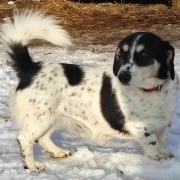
x,y
144,53
143,58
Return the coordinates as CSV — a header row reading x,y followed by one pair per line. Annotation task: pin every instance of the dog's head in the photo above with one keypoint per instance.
x,y
142,56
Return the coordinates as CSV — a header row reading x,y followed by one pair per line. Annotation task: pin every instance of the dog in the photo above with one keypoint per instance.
x,y
135,100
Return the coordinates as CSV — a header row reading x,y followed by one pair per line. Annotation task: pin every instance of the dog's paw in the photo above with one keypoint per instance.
x,y
166,153
35,167
161,155
61,154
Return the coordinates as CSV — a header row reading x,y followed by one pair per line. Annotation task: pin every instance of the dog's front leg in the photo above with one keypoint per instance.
x,y
162,136
146,138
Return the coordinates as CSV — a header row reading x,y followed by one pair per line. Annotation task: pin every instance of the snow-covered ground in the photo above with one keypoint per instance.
x,y
89,161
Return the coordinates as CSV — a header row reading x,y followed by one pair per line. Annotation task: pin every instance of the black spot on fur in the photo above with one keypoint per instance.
x,y
24,66
109,106
153,143
25,167
147,134
73,94
121,172
39,116
73,73
50,78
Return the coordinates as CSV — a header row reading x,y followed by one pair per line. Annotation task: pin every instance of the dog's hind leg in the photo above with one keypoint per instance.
x,y
32,130
46,143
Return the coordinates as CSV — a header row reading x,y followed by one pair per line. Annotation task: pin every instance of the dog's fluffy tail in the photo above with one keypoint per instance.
x,y
27,26
30,25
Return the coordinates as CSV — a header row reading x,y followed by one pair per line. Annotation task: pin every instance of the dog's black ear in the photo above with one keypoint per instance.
x,y
117,61
170,60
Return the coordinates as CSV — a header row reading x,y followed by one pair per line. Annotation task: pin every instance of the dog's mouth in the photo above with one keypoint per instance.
x,y
125,84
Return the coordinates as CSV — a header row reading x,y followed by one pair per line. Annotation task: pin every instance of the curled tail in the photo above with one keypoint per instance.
x,y
27,26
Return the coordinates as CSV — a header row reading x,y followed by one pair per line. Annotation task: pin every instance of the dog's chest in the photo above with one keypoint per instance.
x,y
154,109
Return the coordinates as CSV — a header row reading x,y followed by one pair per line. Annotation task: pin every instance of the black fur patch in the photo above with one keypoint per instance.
x,y
147,134
73,73
109,106
153,143
24,66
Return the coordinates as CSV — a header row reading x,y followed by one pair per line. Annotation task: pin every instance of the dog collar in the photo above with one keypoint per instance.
x,y
157,88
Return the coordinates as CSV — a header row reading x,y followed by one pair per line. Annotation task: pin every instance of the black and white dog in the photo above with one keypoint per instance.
x,y
134,101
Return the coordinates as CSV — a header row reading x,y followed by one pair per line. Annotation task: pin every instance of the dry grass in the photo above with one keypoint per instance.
x,y
103,23
95,16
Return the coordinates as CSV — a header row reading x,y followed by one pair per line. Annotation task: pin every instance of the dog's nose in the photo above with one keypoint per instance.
x,y
124,77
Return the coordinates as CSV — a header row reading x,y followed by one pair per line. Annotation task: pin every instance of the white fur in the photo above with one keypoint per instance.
x,y
29,25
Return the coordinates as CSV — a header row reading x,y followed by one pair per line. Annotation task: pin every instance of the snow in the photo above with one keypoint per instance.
x,y
115,160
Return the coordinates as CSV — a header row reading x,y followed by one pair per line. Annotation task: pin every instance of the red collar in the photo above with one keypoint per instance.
x,y
157,88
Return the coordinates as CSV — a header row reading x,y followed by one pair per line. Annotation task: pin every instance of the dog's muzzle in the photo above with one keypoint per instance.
x,y
124,77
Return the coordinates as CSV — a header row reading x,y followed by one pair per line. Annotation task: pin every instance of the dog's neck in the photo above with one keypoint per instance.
x,y
156,88
151,85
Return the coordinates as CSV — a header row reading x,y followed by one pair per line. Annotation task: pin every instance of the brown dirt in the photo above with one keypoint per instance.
x,y
107,23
